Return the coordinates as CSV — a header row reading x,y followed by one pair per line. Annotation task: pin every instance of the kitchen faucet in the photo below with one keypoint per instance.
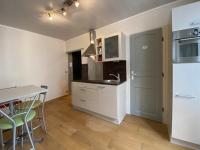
x,y
117,77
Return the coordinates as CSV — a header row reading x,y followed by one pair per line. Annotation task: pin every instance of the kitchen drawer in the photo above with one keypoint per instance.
x,y
82,92
87,96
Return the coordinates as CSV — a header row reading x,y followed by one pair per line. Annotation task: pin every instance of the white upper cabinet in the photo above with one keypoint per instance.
x,y
114,47
185,17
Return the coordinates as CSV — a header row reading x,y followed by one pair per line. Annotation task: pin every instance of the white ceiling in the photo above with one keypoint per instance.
x,y
29,15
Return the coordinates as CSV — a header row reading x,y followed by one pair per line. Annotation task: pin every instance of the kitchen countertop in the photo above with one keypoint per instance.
x,y
99,82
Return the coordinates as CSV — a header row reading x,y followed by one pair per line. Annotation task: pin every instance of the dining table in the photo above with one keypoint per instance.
x,y
13,94
8,95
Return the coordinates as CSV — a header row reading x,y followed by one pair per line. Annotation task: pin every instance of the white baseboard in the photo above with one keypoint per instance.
x,y
48,100
185,144
113,120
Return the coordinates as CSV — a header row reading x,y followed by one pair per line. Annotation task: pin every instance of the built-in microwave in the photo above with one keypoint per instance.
x,y
186,46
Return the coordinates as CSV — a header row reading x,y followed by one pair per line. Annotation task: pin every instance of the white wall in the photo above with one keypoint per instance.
x,y
29,58
156,18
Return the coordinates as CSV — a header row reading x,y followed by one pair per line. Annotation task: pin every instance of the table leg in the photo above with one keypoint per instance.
x,y
11,107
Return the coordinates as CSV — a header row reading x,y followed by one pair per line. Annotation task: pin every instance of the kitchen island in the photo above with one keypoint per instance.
x,y
103,98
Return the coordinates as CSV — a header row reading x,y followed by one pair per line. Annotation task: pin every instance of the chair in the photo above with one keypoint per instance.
x,y
39,106
11,119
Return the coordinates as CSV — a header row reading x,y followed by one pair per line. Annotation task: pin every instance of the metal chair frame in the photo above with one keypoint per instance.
x,y
14,113
41,110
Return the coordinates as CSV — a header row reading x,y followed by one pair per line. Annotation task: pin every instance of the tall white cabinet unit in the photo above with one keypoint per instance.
x,y
185,17
105,101
185,127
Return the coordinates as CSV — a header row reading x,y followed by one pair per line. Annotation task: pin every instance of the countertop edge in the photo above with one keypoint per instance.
x,y
98,82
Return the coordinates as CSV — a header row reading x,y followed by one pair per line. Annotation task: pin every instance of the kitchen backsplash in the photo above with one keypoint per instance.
x,y
114,68
108,68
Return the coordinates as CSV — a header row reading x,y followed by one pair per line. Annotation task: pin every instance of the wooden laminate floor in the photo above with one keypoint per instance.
x,y
69,129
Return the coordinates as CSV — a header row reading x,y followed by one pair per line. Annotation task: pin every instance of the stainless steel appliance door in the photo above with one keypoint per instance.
x,y
187,50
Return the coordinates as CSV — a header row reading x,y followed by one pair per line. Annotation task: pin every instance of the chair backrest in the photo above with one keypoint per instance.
x,y
25,105
23,108
43,95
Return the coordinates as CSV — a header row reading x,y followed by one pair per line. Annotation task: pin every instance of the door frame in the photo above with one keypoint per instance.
x,y
69,54
165,65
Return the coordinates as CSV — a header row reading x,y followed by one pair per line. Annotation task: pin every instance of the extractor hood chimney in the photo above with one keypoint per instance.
x,y
91,50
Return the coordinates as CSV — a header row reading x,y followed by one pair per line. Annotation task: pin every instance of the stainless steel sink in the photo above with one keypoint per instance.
x,y
111,81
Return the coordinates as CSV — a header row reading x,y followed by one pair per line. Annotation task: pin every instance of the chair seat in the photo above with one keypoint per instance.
x,y
19,120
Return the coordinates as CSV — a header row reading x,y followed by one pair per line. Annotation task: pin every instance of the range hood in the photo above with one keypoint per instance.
x,y
91,50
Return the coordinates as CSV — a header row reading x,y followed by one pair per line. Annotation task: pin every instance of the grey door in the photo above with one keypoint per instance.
x,y
146,74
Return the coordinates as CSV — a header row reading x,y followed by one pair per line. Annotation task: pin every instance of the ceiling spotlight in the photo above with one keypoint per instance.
x,y
92,41
63,11
76,3
50,17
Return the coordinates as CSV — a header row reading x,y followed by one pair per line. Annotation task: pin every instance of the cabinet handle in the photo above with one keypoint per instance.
x,y
83,90
194,23
101,87
82,100
184,96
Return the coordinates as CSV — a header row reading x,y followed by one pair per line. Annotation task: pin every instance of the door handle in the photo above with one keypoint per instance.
x,y
132,72
133,75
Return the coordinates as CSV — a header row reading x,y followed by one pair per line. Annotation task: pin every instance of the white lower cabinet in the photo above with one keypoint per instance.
x,y
105,101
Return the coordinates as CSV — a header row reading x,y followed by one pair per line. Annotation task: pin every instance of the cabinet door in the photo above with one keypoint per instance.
x,y
186,102
186,16
75,96
108,101
185,120
114,47
111,45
